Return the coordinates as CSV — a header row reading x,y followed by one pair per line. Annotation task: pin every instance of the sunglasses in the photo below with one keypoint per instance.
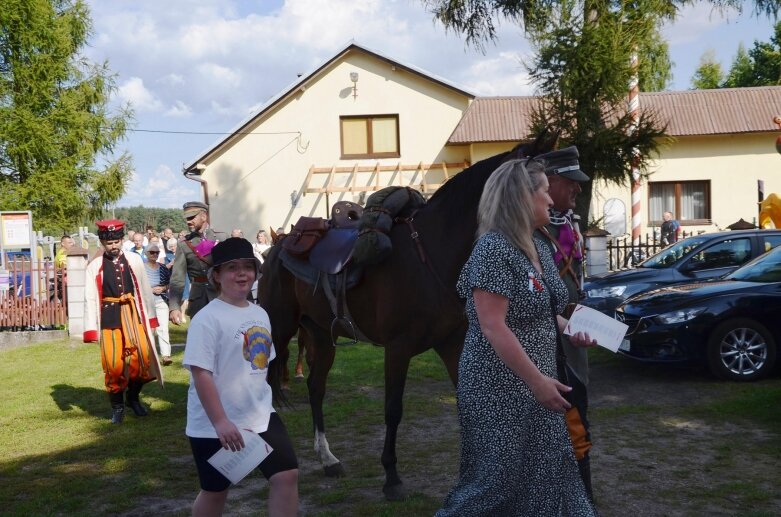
x,y
191,217
152,252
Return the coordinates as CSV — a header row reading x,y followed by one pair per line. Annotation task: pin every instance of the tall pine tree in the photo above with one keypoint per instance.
x,y
57,134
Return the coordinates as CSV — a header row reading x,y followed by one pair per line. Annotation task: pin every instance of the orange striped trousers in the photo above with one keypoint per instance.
x,y
122,360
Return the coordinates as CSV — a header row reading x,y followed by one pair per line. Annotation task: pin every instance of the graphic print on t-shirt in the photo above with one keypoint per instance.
x,y
257,347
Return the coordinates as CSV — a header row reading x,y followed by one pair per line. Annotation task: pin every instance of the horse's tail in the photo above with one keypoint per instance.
x,y
275,294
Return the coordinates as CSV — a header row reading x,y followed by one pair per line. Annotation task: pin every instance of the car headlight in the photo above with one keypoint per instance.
x,y
678,316
607,292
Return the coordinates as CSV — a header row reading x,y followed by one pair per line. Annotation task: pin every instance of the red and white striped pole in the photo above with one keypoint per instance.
x,y
634,111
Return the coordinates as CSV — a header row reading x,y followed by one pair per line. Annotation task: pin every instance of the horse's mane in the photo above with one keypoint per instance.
x,y
464,189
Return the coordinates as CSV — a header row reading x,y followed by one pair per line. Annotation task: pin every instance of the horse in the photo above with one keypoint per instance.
x,y
407,303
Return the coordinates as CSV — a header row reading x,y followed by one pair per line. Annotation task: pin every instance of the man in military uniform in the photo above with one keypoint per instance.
x,y
566,243
193,259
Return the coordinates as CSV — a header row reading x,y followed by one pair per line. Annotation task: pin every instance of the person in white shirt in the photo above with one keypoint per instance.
x,y
159,278
228,352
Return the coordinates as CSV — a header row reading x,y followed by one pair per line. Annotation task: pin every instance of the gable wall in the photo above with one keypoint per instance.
x,y
251,181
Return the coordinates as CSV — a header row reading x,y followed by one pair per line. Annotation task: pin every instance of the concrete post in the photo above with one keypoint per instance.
x,y
596,247
76,262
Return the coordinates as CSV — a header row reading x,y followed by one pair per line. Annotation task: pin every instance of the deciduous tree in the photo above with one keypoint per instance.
x,y
58,135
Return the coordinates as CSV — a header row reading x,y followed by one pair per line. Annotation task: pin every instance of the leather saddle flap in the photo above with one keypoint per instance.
x,y
334,250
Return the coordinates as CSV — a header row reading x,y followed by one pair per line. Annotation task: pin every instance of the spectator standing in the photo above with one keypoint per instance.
x,y
66,243
228,351
165,237
138,245
670,229
159,278
516,455
127,243
156,240
119,314
262,244
170,251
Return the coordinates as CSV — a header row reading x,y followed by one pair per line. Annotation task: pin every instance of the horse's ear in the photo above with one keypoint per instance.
x,y
546,141
273,234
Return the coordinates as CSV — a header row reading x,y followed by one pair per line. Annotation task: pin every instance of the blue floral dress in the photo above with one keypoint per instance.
x,y
516,455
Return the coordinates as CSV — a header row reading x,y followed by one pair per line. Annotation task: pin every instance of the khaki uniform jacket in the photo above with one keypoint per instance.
x,y
188,264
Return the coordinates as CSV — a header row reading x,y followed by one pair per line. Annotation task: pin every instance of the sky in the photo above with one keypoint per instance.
x,y
192,70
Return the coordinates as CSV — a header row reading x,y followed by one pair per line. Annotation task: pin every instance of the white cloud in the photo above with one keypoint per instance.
x,y
171,80
142,99
161,188
179,110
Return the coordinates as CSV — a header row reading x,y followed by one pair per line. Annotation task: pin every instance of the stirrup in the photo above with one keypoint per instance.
x,y
334,337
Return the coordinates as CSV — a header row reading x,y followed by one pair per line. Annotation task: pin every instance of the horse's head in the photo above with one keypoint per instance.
x,y
545,142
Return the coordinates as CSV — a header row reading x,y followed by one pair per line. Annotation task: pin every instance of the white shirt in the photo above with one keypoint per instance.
x,y
234,343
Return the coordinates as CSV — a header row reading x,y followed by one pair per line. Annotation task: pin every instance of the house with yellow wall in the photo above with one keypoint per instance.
x,y
362,121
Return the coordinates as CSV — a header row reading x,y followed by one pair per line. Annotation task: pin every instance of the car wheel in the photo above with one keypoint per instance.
x,y
741,350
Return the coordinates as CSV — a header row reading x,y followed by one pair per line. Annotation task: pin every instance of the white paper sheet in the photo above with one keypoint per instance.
x,y
236,465
607,331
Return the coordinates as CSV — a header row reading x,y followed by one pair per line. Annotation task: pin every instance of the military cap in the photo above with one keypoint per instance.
x,y
192,208
110,229
564,163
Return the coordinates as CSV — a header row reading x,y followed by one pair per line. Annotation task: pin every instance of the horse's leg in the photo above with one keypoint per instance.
x,y
320,355
396,366
284,356
300,360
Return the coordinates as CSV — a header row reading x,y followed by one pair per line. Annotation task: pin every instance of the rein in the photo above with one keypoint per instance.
x,y
409,220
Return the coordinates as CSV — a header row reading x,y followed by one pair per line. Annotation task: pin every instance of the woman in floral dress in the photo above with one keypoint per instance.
x,y
516,455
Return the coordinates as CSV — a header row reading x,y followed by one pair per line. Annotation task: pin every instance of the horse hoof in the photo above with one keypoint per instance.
x,y
299,376
394,492
334,471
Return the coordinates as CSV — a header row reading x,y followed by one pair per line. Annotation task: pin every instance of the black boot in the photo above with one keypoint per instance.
x,y
133,390
584,466
117,407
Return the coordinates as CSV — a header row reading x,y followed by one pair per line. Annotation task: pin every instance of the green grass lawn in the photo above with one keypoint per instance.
x,y
59,455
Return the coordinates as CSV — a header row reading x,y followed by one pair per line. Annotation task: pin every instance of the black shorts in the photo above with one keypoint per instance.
x,y
282,456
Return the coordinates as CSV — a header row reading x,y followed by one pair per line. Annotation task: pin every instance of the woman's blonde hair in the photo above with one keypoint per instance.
x,y
506,205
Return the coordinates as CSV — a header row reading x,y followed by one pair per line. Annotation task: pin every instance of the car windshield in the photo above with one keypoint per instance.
x,y
672,254
765,268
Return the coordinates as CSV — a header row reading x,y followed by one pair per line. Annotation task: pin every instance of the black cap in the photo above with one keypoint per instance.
x,y
564,163
234,248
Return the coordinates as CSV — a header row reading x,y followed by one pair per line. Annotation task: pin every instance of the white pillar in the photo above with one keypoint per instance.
x,y
596,246
76,262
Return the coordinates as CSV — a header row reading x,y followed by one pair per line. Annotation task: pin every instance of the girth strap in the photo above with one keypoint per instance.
x,y
338,303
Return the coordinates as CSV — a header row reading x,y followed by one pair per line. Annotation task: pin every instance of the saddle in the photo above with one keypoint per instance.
x,y
326,243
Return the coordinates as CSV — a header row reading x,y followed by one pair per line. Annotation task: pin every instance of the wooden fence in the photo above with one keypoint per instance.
x,y
622,254
35,297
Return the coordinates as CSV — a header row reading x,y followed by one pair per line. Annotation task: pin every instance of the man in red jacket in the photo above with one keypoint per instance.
x,y
119,312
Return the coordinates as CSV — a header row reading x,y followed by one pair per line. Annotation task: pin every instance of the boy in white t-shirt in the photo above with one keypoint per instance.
x,y
228,351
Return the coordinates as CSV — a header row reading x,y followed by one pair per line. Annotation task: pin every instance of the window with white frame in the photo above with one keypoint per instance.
x,y
375,136
689,201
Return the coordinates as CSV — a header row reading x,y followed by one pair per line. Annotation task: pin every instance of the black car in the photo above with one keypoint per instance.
x,y
732,325
710,255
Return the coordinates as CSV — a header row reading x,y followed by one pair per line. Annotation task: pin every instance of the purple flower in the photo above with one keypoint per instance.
x,y
204,248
